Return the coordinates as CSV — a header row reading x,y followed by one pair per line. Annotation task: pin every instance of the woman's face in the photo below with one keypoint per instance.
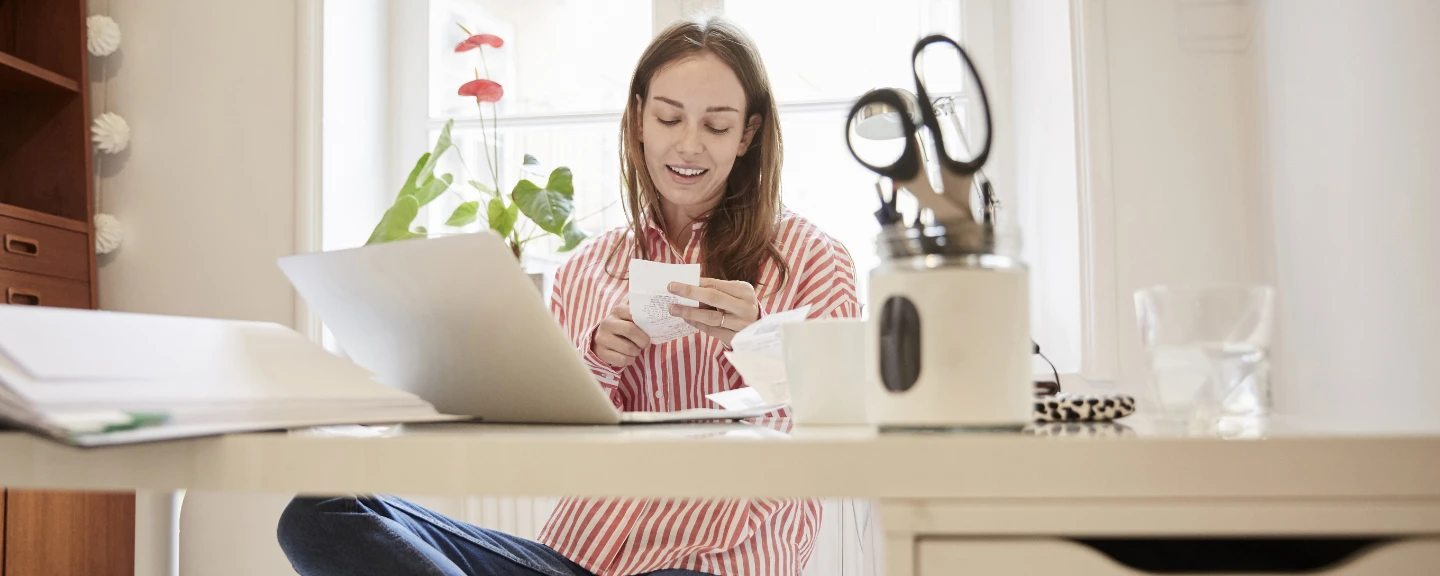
x,y
692,127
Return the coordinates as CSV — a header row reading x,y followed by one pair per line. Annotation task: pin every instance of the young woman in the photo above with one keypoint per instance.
x,y
701,154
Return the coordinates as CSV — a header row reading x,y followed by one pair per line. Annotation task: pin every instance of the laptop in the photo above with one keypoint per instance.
x,y
456,321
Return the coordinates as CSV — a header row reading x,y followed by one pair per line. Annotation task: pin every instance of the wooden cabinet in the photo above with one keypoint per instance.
x,y
21,289
46,187
69,533
47,258
3,494
55,248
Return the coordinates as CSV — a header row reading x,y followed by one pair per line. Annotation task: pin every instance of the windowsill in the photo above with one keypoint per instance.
x,y
1071,383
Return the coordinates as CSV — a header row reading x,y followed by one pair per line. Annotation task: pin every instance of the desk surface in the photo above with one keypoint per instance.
x,y
1295,461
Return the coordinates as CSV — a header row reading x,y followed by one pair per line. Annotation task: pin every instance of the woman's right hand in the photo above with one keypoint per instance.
x,y
618,341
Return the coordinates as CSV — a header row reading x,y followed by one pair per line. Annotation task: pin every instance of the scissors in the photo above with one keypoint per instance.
x,y
956,176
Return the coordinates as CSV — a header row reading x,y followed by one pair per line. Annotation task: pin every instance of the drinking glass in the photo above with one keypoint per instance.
x,y
1209,350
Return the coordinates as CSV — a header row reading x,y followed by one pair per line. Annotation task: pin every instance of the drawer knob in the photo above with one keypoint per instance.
x,y
22,245
22,297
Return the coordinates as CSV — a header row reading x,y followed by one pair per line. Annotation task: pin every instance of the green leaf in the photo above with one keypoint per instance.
x,y
409,187
573,236
441,145
562,181
502,218
548,208
433,189
395,224
486,190
531,162
421,230
464,214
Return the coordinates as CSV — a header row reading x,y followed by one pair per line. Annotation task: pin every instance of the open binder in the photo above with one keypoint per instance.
x,y
92,378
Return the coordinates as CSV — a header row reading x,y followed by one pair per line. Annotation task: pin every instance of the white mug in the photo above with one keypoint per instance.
x,y
825,367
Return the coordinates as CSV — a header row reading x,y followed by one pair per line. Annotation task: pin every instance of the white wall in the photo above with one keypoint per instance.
x,y
1353,131
1183,164
206,191
1289,142
234,534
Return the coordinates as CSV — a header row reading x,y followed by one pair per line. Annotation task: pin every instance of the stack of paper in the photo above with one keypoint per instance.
x,y
758,354
93,378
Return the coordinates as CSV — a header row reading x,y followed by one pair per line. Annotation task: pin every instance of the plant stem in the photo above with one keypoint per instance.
x,y
485,138
484,62
540,235
516,245
495,118
495,127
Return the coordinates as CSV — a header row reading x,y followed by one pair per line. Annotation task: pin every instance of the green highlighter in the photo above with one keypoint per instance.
x,y
138,420
106,421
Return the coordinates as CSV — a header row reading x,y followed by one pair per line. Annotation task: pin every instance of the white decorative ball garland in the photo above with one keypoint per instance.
x,y
108,234
103,35
111,133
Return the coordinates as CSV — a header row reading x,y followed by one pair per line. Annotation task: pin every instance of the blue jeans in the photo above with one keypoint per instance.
x,y
386,535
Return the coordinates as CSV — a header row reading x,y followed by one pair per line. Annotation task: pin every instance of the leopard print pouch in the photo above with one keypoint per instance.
x,y
1065,407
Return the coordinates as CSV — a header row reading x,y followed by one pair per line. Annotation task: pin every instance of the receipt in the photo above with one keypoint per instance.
x,y
737,399
758,354
650,298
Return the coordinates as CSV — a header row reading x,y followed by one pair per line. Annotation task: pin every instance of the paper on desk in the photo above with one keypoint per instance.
x,y
650,298
85,377
758,353
737,399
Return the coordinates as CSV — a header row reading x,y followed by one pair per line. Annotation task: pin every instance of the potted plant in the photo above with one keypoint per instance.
x,y
528,212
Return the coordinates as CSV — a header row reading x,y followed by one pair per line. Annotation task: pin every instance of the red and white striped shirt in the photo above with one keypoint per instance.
x,y
621,537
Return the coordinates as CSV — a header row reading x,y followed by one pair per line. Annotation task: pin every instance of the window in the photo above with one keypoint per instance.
x,y
566,69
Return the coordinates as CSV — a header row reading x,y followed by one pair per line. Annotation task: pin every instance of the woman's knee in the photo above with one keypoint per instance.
x,y
308,519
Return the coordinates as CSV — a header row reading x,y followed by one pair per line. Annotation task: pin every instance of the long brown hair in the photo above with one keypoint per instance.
x,y
740,232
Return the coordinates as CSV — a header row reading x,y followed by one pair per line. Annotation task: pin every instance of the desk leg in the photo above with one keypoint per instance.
x,y
897,519
157,533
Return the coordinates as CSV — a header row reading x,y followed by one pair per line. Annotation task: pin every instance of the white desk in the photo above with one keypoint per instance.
x,y
938,493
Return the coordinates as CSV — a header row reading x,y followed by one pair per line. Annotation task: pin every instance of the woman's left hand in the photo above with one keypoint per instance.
x,y
734,302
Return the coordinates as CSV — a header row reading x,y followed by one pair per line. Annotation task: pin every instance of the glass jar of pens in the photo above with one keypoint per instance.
x,y
949,337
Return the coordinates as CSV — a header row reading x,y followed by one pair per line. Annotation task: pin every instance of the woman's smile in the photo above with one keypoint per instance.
x,y
686,174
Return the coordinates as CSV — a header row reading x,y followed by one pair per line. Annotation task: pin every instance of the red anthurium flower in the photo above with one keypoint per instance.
x,y
483,90
478,40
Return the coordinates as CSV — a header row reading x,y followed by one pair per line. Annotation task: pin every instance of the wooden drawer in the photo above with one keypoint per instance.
x,y
1028,556
41,249
35,290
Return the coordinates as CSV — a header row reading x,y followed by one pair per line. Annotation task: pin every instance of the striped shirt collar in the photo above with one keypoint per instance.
x,y
654,232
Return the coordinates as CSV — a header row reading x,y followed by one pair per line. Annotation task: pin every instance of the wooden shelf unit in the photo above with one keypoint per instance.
x,y
17,75
46,183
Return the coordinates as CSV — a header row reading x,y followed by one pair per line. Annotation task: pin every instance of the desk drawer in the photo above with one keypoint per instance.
x,y
40,249
1029,556
24,289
